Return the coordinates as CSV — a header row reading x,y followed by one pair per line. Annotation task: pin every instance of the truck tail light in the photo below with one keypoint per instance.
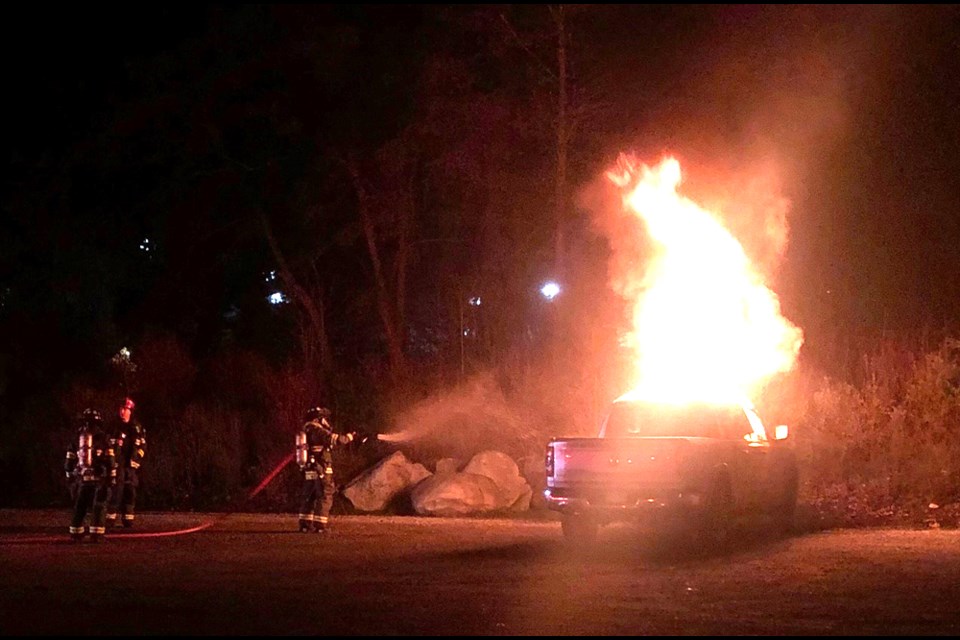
x,y
548,462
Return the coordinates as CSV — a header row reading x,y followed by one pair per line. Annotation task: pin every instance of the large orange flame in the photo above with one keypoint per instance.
x,y
705,325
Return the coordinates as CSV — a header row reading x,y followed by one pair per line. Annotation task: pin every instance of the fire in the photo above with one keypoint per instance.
x,y
705,325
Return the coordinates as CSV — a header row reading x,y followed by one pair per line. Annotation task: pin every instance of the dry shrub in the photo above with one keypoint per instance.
x,y
891,445
198,461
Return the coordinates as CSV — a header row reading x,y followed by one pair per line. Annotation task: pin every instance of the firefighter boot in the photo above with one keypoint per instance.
x,y
320,527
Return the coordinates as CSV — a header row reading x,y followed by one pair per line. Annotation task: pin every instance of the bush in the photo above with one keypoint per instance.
x,y
890,446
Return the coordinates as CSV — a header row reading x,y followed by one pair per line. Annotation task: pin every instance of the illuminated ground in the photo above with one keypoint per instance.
x,y
247,574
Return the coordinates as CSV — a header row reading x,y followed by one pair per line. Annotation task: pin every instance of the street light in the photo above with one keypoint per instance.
x,y
550,290
473,301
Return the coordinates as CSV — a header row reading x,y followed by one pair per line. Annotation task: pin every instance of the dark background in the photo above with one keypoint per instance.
x,y
152,152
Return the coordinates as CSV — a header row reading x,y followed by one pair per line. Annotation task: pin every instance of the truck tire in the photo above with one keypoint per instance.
x,y
579,528
714,526
786,506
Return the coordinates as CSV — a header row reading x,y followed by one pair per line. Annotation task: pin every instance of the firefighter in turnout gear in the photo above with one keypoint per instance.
x,y
90,459
129,440
315,442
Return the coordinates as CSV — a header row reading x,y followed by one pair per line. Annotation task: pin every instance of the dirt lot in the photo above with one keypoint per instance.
x,y
245,574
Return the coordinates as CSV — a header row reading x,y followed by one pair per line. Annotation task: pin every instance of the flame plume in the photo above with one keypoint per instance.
x,y
705,327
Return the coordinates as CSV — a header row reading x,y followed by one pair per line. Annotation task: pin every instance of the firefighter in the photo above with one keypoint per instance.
x,y
129,439
72,470
314,454
91,459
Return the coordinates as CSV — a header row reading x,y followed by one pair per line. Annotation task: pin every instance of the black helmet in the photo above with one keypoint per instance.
x,y
91,417
315,413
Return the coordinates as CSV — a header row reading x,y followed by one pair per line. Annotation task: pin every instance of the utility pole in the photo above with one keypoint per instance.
x,y
563,134
460,309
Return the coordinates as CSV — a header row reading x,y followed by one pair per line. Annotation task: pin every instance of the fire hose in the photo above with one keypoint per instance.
x,y
206,524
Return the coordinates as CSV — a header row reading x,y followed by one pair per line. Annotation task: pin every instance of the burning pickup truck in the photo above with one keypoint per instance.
x,y
699,465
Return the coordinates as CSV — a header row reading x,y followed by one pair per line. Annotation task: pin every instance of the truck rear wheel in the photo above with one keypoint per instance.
x,y
714,526
786,506
579,528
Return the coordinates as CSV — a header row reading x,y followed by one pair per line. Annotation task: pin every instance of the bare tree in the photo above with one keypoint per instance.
x,y
386,206
307,293
569,99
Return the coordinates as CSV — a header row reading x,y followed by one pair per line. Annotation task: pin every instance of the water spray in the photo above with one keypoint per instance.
x,y
402,436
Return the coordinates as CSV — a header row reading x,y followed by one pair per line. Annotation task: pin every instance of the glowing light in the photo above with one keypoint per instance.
x,y
145,245
550,290
121,360
705,327
277,297
270,277
475,301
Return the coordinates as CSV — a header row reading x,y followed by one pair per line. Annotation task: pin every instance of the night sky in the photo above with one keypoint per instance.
x,y
183,125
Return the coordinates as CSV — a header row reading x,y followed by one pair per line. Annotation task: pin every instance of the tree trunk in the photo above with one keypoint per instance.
x,y
560,187
314,341
389,315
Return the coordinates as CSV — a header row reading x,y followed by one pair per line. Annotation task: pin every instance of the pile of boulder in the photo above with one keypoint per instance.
x,y
490,482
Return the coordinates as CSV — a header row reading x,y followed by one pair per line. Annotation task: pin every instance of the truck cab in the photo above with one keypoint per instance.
x,y
700,464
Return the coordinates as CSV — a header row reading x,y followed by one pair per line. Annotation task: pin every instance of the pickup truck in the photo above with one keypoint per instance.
x,y
697,465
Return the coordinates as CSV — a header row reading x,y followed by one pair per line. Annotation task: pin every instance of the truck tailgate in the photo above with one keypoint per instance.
x,y
617,462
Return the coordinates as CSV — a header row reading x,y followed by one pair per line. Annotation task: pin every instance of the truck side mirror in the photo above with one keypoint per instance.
x,y
780,432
